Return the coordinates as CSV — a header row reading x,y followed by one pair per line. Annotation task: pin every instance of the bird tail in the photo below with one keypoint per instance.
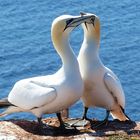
x,y
119,114
4,103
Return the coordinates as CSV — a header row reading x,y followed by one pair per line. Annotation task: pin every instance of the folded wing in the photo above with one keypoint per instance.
x,y
115,88
27,95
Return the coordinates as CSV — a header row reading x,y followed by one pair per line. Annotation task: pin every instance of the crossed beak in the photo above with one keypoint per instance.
x,y
76,21
91,21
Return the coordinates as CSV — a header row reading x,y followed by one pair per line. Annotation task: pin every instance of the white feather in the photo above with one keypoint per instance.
x,y
102,87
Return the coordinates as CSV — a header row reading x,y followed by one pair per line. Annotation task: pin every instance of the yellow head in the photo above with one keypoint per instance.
x,y
92,27
63,25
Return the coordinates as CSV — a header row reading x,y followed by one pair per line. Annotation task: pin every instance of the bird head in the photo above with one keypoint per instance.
x,y
63,25
91,27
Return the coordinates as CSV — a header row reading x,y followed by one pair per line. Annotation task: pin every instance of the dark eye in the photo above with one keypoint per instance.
x,y
92,19
69,21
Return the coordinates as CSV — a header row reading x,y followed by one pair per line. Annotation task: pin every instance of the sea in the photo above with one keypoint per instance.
x,y
26,48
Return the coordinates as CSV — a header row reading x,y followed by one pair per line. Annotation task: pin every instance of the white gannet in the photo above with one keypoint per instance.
x,y
51,93
102,87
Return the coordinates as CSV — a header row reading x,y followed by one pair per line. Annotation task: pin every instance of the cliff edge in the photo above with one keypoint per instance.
x,y
24,129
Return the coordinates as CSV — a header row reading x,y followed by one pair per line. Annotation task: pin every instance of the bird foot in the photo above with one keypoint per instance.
x,y
102,123
77,123
45,129
86,118
125,122
63,126
130,122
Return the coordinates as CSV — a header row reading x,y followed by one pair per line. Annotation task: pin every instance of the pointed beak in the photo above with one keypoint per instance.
x,y
91,21
76,21
82,14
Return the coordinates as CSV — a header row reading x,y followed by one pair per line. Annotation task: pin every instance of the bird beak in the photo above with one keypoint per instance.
x,y
91,21
76,21
82,14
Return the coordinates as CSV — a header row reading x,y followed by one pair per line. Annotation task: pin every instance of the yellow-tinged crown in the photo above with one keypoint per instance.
x,y
92,28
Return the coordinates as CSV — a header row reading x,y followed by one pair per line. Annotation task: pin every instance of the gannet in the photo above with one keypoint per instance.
x,y
51,93
102,87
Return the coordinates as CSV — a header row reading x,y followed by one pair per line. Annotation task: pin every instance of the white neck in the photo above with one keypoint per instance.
x,y
62,46
89,53
66,53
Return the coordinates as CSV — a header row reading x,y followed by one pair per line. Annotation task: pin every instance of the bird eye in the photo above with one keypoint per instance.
x,y
69,21
92,19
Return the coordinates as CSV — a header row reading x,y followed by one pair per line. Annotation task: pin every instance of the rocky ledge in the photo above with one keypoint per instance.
x,y
30,130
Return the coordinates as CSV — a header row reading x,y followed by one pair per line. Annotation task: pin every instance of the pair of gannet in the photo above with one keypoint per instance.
x,y
51,93
102,87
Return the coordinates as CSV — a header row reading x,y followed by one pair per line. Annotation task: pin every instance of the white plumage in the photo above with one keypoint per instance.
x,y
52,93
102,87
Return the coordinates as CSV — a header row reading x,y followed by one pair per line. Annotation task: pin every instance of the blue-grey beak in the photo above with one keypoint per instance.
x,y
76,21
89,22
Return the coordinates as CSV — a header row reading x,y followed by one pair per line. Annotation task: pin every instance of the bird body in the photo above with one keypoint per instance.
x,y
102,87
43,93
51,93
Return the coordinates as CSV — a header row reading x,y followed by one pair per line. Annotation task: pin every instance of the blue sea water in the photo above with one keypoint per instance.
x,y
26,48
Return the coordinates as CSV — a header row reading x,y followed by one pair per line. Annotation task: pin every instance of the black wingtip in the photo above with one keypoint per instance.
x,y
125,113
4,103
